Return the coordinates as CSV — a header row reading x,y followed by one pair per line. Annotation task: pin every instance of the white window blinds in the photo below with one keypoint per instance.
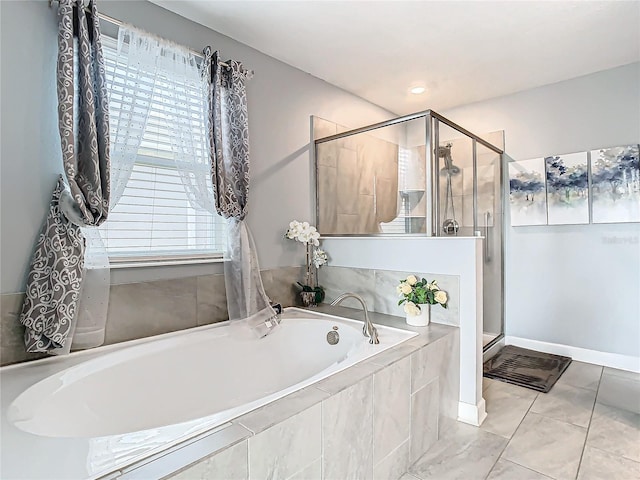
x,y
161,214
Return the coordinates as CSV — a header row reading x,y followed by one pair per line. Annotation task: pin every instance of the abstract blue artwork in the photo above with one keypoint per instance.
x,y
615,184
527,193
567,189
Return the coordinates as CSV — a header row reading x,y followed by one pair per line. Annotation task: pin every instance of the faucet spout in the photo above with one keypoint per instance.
x,y
368,329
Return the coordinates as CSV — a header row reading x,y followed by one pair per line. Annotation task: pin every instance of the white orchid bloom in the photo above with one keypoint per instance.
x,y
304,237
319,258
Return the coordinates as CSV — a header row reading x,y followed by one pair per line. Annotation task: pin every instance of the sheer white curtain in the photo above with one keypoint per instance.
x,y
131,81
130,85
166,75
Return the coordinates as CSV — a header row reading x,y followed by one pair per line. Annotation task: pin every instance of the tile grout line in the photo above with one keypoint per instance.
x,y
569,422
584,446
620,457
373,424
511,438
322,438
302,469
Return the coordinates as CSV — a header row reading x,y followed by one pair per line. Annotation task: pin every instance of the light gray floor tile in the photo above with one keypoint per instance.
x,y
583,375
598,465
505,470
463,453
514,389
505,411
486,383
615,431
567,404
548,446
622,373
620,392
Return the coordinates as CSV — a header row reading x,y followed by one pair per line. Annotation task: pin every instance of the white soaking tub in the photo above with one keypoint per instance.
x,y
94,412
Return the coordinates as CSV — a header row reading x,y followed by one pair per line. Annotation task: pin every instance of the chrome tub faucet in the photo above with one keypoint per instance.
x,y
368,330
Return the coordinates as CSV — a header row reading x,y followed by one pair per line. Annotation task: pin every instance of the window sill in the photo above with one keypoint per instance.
x,y
163,263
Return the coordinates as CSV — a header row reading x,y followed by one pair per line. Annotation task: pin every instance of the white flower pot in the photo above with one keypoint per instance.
x,y
423,319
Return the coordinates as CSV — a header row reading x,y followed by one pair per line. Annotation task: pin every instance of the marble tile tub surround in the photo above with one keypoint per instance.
x,y
370,421
378,288
144,309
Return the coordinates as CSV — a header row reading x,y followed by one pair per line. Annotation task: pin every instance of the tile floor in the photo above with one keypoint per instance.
x,y
586,428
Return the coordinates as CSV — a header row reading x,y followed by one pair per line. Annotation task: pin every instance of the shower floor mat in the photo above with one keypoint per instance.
x,y
526,368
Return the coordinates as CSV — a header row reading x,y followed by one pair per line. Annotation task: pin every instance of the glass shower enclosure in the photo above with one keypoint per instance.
x,y
420,174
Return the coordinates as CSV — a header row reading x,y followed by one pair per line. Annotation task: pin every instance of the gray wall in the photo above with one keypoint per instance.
x,y
574,285
281,100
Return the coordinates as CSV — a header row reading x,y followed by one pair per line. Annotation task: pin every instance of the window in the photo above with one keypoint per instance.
x,y
411,211
156,219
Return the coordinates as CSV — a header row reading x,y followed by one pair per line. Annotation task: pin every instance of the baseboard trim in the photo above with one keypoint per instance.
x,y
472,414
495,348
613,360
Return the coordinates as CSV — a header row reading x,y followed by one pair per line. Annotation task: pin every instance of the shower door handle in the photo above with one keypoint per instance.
x,y
487,253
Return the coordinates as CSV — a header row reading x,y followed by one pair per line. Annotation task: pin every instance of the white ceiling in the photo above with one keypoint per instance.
x,y
462,51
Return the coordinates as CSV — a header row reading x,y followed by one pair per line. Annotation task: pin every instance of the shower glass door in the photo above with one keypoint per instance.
x,y
468,183
489,222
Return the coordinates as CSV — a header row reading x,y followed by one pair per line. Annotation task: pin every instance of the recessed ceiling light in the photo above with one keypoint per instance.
x,y
417,90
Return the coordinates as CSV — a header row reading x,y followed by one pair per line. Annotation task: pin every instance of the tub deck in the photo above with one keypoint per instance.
x,y
160,453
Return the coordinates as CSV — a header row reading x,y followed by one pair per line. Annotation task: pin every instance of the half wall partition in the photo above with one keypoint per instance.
x,y
419,174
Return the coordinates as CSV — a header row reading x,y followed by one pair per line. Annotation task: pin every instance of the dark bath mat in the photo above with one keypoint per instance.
x,y
526,368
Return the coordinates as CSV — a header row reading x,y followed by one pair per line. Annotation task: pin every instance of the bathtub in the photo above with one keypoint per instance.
x,y
94,412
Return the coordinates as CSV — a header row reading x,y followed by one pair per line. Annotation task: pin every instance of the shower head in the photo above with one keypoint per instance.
x,y
449,168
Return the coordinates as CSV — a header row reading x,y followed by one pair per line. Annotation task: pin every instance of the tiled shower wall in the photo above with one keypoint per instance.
x,y
143,309
378,289
357,181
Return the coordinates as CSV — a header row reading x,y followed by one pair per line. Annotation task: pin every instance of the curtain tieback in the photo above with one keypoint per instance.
x,y
69,207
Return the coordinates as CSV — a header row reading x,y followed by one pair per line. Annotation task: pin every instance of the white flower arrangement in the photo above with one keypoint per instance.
x,y
415,292
320,258
309,236
303,233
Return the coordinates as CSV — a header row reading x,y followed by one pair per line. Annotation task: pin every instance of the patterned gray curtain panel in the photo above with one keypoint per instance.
x,y
55,277
228,132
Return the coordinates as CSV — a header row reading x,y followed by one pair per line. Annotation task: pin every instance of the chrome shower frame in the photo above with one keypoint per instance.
x,y
432,168
432,184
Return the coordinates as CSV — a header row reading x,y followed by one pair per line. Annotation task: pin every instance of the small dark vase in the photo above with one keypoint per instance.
x,y
308,299
311,296
319,294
